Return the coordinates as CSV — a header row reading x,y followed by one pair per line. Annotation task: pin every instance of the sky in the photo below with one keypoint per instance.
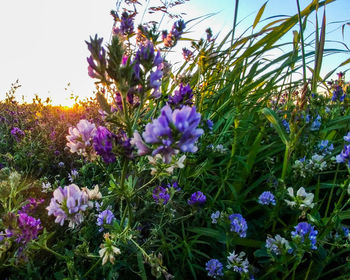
x,y
43,41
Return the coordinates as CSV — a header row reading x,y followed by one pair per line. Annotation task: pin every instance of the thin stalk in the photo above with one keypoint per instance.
x,y
285,163
308,270
302,42
92,268
234,22
331,194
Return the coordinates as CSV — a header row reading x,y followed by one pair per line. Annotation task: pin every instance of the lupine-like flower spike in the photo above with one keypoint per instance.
x,y
170,39
105,217
97,59
182,96
29,228
197,198
267,198
103,144
344,156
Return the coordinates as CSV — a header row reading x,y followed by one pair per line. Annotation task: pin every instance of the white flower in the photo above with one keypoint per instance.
x,y
93,194
302,200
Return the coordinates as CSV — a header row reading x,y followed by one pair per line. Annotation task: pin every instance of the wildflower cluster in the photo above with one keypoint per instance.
x,y
344,156
305,234
238,224
170,39
302,200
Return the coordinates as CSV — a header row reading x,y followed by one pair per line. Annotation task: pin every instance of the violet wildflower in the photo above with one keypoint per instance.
x,y
32,204
306,234
103,144
209,33
80,137
277,245
214,268
126,24
238,263
238,224
214,217
338,94
197,198
344,156
17,133
61,164
29,228
74,174
68,203
137,141
155,82
103,218
187,54
267,198
210,124
160,195
346,232
173,131
170,39
181,97
97,60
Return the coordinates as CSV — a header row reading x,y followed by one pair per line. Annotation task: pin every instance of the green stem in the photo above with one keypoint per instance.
x,y
92,268
302,42
308,270
234,22
58,255
285,163
331,194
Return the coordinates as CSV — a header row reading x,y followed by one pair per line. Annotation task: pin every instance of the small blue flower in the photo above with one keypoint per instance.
x,y
267,198
286,125
316,124
214,268
306,233
238,224
215,216
161,195
347,137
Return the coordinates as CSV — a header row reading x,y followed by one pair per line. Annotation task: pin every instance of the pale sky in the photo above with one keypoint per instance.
x,y
43,41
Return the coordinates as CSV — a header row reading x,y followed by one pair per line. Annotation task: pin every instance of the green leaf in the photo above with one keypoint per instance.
x,y
258,16
277,124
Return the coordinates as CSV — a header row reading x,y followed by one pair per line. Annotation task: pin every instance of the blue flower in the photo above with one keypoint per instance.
x,y
286,125
305,233
181,97
215,216
197,198
325,147
214,268
187,54
161,195
103,144
277,245
237,263
344,156
316,124
347,137
238,224
267,198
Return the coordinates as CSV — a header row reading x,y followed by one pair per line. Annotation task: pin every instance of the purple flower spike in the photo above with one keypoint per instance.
x,y
344,156
17,133
305,233
214,268
105,217
181,97
103,144
160,195
197,198
267,198
29,228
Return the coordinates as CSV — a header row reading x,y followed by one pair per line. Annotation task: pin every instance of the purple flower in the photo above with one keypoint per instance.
x,y
238,224
17,133
31,205
68,204
286,125
105,217
161,195
209,35
103,144
277,245
126,24
197,198
137,141
305,233
267,198
80,137
173,131
170,39
29,228
74,174
155,81
325,147
97,60
181,97
214,268
187,54
344,156
210,124
338,94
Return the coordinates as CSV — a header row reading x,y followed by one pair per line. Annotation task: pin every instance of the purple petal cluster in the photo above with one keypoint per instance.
x,y
187,54
214,268
80,137
126,24
325,147
238,224
68,203
238,263
17,133
182,96
209,35
105,217
316,124
97,59
197,198
306,233
267,198
170,39
103,144
338,94
344,156
32,204
29,228
286,125
161,195
173,131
